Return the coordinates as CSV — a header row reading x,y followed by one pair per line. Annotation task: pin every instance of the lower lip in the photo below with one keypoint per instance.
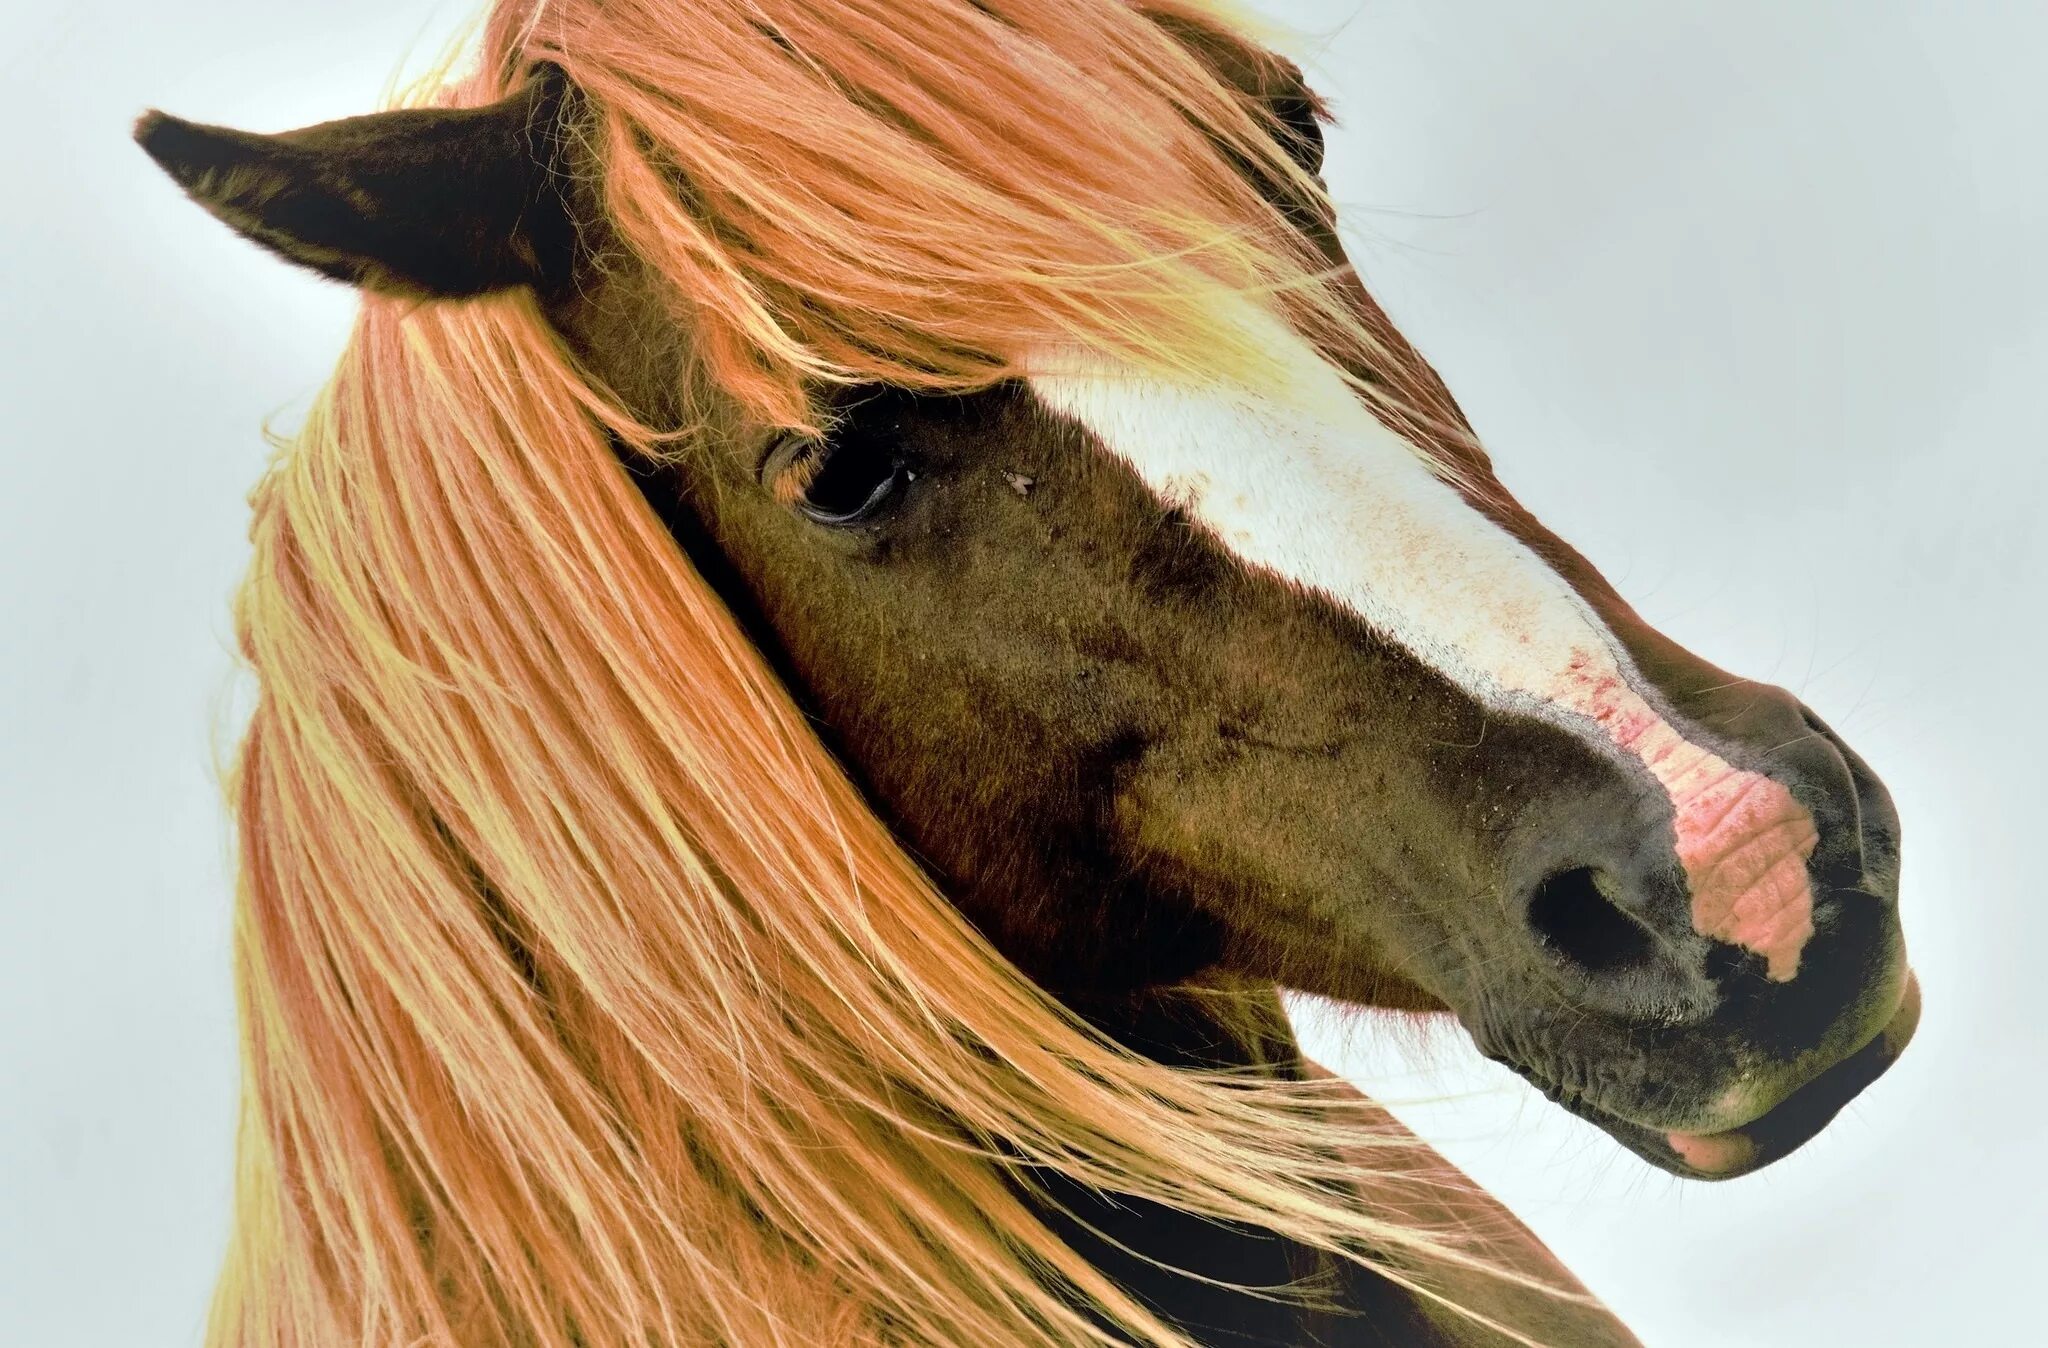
x,y
1729,1153
1713,1153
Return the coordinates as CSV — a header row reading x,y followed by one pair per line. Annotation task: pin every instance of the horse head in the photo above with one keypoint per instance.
x,y
1162,676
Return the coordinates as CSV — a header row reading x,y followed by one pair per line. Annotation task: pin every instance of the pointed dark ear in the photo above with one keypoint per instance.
x,y
1297,111
433,202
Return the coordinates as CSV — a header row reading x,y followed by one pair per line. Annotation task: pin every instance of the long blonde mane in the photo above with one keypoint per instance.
x,y
584,1001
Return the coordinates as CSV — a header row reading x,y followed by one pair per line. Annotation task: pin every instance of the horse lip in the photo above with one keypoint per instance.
x,y
1772,1135
1793,1121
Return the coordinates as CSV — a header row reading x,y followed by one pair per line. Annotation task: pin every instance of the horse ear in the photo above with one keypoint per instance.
x,y
1301,112
439,203
1297,111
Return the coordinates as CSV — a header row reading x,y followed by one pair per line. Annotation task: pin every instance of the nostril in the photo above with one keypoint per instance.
x,y
1573,914
1851,798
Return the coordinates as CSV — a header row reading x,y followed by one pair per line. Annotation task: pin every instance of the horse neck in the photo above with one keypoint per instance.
x,y
1135,1241
1232,1028
1128,1239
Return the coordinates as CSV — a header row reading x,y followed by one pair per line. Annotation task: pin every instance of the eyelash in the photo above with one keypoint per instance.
x,y
840,481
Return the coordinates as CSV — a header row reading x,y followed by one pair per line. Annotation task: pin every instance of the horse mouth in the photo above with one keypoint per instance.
x,y
1771,1136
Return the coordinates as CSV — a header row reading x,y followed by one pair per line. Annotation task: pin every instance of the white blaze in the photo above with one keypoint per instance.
x,y
1308,484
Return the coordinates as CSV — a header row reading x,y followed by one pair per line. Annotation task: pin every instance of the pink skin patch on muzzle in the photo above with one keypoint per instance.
x,y
1742,839
1714,1154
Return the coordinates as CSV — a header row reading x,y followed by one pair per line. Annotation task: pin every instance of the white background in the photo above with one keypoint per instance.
x,y
1747,296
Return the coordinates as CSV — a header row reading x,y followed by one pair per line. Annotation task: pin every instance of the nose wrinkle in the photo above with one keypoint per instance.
x,y
1742,838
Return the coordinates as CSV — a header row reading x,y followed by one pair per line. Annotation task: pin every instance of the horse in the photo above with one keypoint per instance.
x,y
869,587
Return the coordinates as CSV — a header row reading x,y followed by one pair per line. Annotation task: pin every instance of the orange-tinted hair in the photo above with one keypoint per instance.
x,y
585,1002
928,193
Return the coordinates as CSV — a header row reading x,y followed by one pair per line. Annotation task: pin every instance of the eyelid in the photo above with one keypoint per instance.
x,y
791,465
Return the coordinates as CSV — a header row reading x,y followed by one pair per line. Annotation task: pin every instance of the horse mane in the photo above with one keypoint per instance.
x,y
584,1000
930,194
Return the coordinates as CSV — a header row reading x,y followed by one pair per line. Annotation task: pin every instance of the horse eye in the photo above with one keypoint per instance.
x,y
840,481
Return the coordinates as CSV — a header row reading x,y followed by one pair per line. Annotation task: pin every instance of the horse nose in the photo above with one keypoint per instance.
x,y
1647,899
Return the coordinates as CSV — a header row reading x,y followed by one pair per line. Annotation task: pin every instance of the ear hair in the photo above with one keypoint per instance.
x,y
1301,112
433,202
1297,111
